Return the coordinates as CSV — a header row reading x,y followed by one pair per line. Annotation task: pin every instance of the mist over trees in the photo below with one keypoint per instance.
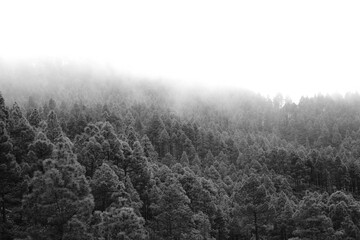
x,y
88,154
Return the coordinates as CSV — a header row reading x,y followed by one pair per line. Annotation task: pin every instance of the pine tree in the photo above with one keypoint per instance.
x,y
149,150
164,143
343,211
168,160
34,118
121,223
189,148
4,112
184,160
39,150
10,182
53,129
310,219
212,173
172,213
21,133
196,160
138,170
91,156
52,104
254,203
233,151
131,135
209,159
59,203
202,226
105,185
154,130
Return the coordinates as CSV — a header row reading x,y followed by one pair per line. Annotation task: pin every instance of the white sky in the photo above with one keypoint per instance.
x,y
294,47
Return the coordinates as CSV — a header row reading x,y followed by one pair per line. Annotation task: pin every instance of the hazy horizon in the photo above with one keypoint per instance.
x,y
296,49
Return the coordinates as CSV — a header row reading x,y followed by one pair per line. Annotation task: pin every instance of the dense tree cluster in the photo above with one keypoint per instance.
x,y
141,163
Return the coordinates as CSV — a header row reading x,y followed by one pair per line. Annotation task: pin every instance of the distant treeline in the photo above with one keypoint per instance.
x,y
88,154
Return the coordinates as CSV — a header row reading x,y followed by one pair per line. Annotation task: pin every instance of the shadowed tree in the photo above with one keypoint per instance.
x,y
164,143
21,133
121,223
105,185
10,181
209,159
39,150
173,217
149,150
59,203
34,118
310,219
53,129
184,160
254,203
154,129
4,112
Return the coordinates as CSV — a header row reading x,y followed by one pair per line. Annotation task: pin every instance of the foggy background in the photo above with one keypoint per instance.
x,y
295,48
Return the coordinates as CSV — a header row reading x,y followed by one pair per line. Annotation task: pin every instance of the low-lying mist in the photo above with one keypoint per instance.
x,y
86,82
68,81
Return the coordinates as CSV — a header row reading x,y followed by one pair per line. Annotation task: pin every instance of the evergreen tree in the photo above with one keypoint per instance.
x,y
21,133
105,186
91,156
184,160
4,112
59,203
34,118
121,223
209,159
164,143
189,148
52,104
149,150
196,160
310,219
168,160
53,129
10,182
254,203
155,127
39,150
173,217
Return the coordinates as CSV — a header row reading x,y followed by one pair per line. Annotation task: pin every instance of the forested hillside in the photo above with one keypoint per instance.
x,y
87,154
